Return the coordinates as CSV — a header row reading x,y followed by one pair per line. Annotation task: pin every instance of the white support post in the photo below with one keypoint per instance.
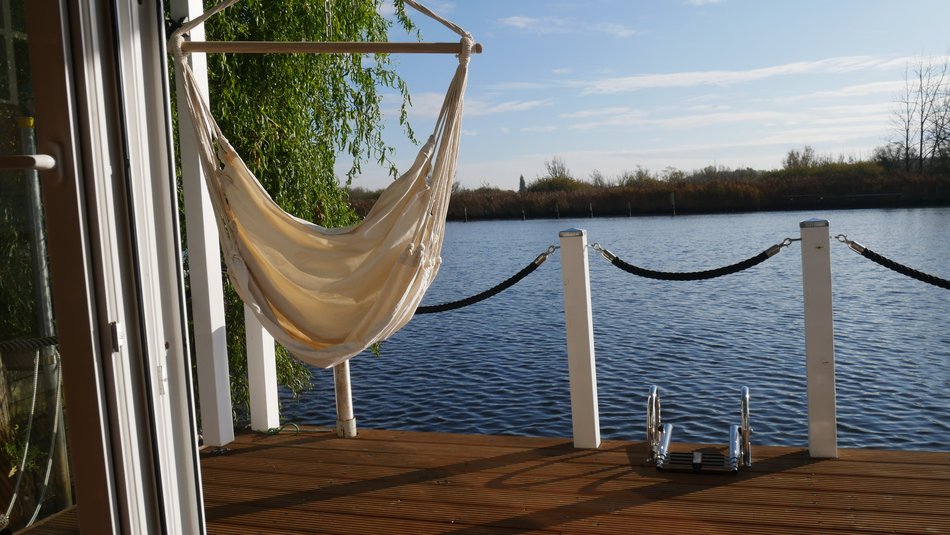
x,y
204,262
261,374
819,339
575,271
345,420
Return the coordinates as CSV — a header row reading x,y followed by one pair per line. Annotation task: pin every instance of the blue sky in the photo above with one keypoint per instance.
x,y
610,85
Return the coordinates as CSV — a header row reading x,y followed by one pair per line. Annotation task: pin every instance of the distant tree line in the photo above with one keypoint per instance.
x,y
806,181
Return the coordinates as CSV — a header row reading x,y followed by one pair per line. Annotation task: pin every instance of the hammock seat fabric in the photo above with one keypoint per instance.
x,y
327,294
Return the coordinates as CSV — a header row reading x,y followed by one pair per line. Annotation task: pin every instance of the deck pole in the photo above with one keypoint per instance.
x,y
345,420
204,263
261,374
819,339
575,271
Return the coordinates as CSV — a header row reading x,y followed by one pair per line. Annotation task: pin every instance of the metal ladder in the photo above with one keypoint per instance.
x,y
660,434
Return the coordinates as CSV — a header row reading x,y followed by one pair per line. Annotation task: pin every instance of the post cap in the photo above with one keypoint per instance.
x,y
813,223
572,233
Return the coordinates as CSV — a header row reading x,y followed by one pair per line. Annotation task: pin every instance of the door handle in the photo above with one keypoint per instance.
x,y
37,162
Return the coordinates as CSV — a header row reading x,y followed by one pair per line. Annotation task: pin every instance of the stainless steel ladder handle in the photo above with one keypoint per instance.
x,y
27,162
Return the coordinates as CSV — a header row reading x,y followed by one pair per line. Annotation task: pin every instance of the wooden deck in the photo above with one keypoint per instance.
x,y
392,482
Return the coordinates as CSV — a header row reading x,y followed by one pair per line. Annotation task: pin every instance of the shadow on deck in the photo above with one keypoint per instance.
x,y
410,482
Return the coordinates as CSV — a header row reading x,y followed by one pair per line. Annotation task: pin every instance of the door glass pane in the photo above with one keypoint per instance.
x,y
34,473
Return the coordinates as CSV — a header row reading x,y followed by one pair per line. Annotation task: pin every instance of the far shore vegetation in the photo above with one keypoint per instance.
x,y
806,181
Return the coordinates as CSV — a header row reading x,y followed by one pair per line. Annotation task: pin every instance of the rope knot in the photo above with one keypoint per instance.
x,y
174,43
468,44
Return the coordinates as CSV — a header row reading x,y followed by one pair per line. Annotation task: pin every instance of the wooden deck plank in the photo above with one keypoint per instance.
x,y
394,482
551,495
564,461
621,507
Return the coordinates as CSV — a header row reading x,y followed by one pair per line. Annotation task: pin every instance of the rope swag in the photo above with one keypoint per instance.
x,y
693,275
511,281
892,265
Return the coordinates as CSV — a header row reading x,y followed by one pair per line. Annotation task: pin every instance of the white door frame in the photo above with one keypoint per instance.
x,y
111,214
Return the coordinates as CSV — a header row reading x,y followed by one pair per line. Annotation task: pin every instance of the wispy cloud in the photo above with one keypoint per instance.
x,y
428,105
858,116
550,25
635,118
481,107
597,112
703,2
541,129
851,91
843,64
614,29
540,25
388,10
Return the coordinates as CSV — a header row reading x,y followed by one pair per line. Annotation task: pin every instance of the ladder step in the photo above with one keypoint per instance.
x,y
697,461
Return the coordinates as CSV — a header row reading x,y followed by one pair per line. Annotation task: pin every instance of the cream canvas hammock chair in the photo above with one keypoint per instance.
x,y
327,294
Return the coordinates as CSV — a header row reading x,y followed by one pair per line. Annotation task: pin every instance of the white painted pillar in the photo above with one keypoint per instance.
x,y
261,374
345,420
819,339
204,261
575,271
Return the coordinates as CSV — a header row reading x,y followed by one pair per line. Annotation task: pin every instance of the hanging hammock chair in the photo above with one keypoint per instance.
x,y
326,294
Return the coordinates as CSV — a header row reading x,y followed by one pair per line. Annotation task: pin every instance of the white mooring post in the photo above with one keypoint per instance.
x,y
261,374
345,420
819,339
575,271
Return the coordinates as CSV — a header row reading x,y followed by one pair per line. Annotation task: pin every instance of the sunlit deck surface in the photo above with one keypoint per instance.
x,y
408,482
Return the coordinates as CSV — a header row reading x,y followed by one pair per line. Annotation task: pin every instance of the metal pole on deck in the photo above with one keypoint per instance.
x,y
261,374
575,271
819,339
345,420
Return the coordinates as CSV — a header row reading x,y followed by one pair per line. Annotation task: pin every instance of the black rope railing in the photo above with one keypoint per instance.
x,y
892,265
27,344
693,275
504,285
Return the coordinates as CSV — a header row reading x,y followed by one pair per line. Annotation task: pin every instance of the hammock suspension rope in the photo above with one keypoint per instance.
x,y
327,294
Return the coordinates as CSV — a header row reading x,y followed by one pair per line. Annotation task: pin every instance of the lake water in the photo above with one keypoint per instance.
x,y
500,366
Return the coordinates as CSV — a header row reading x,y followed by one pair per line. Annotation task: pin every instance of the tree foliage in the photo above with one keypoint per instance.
x,y
295,117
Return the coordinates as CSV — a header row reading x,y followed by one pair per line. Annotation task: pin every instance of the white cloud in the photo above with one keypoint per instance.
x,y
563,70
851,91
614,29
519,86
596,112
540,25
480,107
843,64
441,7
387,9
428,105
549,25
634,118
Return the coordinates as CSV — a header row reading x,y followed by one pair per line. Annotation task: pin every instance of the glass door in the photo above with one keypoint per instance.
x,y
34,466
91,287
